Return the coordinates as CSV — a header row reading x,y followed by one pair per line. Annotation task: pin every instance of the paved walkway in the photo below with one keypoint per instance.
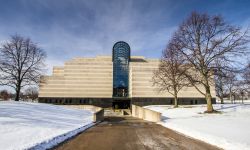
x,y
128,133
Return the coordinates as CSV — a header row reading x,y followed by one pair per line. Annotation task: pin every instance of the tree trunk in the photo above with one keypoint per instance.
x,y
209,100
230,95
18,88
221,99
175,100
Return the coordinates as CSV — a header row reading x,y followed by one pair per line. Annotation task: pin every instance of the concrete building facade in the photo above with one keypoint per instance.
x,y
119,81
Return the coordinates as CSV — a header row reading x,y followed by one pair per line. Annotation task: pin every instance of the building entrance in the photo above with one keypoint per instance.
x,y
121,104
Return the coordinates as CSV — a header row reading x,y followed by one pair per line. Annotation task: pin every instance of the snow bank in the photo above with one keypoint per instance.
x,y
228,130
26,125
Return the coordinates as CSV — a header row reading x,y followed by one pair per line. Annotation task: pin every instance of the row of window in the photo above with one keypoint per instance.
x,y
89,101
171,101
68,101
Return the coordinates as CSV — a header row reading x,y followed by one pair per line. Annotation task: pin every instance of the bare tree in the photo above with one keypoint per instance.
x,y
220,87
246,78
21,63
246,74
231,85
225,77
170,74
5,95
241,89
31,93
203,40
220,78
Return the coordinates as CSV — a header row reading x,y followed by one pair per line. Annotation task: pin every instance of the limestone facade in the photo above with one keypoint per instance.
x,y
90,80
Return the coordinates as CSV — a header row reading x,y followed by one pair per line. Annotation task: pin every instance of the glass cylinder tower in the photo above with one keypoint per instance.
x,y
121,58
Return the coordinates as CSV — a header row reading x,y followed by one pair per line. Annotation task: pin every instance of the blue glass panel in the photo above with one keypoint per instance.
x,y
121,58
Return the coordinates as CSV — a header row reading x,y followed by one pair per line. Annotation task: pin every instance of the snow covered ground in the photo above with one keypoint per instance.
x,y
34,125
228,130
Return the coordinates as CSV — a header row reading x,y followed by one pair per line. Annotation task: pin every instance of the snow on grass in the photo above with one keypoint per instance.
x,y
26,125
229,129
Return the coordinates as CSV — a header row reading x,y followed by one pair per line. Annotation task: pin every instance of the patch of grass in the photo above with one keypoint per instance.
x,y
213,112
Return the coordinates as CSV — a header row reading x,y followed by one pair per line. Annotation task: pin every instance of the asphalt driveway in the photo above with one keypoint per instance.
x,y
129,133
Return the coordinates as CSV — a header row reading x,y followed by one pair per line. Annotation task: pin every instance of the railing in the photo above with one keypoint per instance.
x,y
145,114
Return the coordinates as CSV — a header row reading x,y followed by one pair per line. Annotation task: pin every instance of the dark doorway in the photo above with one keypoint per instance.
x,y
121,104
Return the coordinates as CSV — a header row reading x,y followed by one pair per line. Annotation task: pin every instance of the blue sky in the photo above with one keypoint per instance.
x,y
83,28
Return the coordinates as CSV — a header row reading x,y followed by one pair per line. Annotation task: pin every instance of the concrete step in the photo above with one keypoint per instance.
x,y
117,112
112,112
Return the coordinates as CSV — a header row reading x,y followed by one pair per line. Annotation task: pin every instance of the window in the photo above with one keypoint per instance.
x,y
89,101
196,101
121,58
191,102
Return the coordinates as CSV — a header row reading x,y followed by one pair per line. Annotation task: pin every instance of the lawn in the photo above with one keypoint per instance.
x,y
25,125
228,129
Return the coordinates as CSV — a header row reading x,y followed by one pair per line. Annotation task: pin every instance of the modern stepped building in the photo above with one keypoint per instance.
x,y
118,81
